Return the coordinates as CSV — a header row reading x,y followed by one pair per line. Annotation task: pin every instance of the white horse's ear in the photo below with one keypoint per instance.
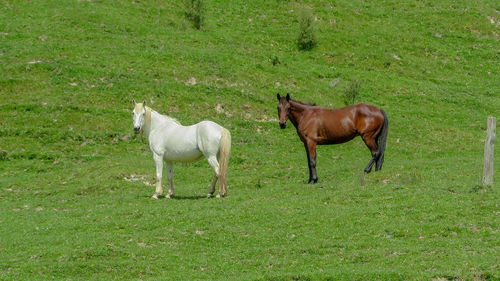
x,y
133,100
144,103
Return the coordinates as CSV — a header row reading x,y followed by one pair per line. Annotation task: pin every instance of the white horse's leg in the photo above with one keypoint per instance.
x,y
159,170
212,161
212,187
170,175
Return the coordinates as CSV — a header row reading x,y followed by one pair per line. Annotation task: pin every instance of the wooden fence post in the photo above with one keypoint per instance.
x,y
489,145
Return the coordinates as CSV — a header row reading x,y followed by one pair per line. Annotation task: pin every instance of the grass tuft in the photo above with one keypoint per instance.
x,y
306,39
352,92
195,12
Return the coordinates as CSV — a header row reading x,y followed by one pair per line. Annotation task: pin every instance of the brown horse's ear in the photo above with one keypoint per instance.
x,y
278,96
287,97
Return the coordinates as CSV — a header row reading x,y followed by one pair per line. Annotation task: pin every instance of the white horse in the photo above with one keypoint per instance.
x,y
170,142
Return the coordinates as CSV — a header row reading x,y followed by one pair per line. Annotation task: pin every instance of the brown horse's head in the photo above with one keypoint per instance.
x,y
283,109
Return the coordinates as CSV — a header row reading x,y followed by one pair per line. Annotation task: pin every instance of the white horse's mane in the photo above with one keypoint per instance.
x,y
148,115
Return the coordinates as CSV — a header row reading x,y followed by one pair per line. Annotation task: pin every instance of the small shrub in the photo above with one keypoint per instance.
x,y
194,12
307,30
3,155
274,60
352,92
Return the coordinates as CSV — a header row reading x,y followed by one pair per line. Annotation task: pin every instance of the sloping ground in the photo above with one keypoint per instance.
x,y
75,181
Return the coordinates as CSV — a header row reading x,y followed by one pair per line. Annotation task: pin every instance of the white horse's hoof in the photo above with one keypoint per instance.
x,y
155,196
168,196
210,195
221,195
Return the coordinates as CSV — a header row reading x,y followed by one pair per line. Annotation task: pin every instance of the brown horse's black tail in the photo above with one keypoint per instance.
x,y
381,142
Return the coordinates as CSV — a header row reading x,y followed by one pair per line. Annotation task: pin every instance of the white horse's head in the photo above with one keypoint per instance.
x,y
139,114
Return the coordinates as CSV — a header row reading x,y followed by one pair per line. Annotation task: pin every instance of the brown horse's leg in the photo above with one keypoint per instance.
x,y
368,168
308,160
311,160
372,145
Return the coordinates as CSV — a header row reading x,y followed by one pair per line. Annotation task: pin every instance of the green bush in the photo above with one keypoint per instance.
x,y
274,60
307,30
194,12
352,92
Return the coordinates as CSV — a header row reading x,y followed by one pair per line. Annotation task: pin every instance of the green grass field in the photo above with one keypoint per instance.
x,y
75,182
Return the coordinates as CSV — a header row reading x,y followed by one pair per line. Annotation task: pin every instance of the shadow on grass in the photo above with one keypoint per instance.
x,y
177,197
189,197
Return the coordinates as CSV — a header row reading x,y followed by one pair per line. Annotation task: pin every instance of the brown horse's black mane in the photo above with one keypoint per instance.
x,y
305,103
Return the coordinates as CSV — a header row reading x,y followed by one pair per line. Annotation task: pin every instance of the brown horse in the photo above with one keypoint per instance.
x,y
317,125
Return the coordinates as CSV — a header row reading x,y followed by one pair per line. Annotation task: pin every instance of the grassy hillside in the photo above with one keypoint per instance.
x,y
75,181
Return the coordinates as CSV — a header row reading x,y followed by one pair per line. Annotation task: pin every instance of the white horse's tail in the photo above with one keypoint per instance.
x,y
224,151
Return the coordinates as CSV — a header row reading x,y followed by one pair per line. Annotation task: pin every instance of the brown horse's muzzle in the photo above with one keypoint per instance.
x,y
283,125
